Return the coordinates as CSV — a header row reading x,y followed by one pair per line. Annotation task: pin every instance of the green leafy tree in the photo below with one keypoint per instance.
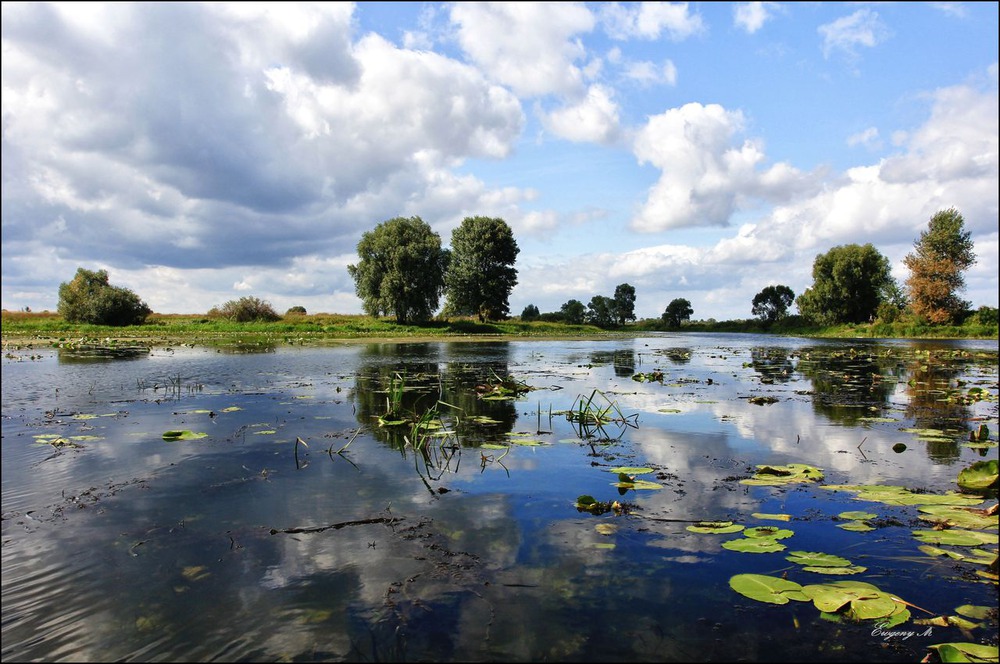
x,y
89,298
481,274
772,302
943,252
849,283
601,311
400,271
530,313
624,303
573,312
678,311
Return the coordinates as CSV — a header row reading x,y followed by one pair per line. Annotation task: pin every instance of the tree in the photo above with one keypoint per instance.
x,y
678,311
400,270
530,313
624,303
849,283
943,252
601,311
772,303
573,312
481,274
89,298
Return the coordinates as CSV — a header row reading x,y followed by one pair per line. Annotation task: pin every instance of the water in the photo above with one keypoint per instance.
x,y
353,545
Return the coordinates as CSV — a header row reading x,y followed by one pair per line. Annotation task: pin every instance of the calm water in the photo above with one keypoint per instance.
x,y
245,545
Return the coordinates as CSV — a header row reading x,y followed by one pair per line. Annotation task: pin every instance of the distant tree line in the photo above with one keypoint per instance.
x,y
403,271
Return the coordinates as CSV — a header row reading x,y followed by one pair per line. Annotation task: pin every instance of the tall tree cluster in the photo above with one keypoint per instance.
x,y
849,283
941,254
403,271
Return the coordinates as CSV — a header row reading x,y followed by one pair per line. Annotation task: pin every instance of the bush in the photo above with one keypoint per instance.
x,y
246,309
89,298
297,309
987,315
530,313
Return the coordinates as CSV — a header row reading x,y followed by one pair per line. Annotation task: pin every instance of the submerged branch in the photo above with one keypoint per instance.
x,y
337,526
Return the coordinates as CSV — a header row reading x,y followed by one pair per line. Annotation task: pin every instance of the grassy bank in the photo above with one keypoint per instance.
x,y
26,329
46,329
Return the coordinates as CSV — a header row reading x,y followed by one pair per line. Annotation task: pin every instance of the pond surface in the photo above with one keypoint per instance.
x,y
299,528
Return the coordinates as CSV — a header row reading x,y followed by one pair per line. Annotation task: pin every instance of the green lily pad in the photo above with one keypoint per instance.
x,y
754,545
838,571
857,515
768,532
955,516
980,476
972,611
630,470
815,559
637,484
856,526
770,589
955,537
719,527
966,652
184,434
788,474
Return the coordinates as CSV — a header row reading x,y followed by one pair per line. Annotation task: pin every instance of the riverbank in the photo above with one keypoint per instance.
x,y
45,329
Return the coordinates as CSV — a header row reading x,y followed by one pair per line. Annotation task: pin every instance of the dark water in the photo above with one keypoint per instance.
x,y
246,545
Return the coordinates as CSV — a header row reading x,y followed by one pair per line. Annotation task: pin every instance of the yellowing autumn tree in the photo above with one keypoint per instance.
x,y
943,253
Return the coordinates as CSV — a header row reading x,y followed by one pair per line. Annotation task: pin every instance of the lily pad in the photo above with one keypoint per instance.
x,y
772,517
815,559
182,434
720,527
856,526
980,476
770,589
857,515
754,545
955,537
630,470
788,474
768,532
954,516
637,484
966,652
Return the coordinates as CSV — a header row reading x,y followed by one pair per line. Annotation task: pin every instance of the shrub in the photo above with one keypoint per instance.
x,y
246,309
986,315
297,309
89,298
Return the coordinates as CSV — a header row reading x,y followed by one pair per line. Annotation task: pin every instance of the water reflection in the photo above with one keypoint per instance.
x,y
246,545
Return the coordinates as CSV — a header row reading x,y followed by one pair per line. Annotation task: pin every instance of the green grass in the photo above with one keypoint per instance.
x,y
48,329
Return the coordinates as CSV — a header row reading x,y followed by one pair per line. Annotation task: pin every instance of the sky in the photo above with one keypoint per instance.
x,y
201,153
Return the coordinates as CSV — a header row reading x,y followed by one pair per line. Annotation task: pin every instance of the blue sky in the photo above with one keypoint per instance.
x,y
203,152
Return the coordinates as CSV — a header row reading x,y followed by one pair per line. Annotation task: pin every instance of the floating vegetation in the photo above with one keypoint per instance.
x,y
502,388
718,527
82,349
763,401
897,495
587,503
979,477
772,517
651,377
857,521
788,474
956,537
823,563
182,434
754,545
952,516
965,652
839,600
